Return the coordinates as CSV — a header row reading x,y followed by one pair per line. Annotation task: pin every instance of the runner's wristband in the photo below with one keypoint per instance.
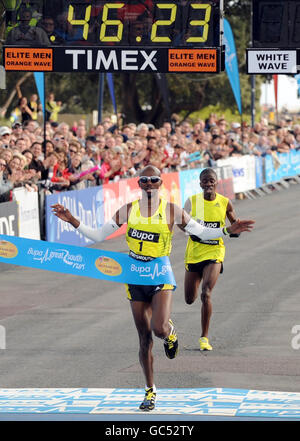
x,y
193,228
225,231
98,235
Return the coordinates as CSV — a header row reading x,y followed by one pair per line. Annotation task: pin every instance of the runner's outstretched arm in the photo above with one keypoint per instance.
x,y
96,235
193,228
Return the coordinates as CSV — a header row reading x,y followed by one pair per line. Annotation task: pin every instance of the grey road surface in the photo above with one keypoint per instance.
x,y
66,331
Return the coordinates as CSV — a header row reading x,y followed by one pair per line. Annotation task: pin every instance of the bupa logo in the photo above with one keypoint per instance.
x,y
212,224
209,224
238,172
143,235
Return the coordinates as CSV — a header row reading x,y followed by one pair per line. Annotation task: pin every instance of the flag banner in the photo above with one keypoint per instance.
x,y
297,77
86,262
110,83
275,79
162,83
231,63
40,85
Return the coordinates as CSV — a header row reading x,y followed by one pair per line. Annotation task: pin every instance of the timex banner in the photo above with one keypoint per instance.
x,y
94,59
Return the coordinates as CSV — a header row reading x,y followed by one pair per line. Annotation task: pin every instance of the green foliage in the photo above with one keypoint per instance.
x,y
231,115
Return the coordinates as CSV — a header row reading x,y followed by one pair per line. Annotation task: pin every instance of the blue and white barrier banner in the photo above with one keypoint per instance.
x,y
284,165
189,183
259,171
87,204
86,262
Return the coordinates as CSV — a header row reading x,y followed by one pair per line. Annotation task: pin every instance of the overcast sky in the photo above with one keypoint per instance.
x,y
287,94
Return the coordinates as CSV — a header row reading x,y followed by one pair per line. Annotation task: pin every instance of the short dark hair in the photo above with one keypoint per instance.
x,y
26,151
208,171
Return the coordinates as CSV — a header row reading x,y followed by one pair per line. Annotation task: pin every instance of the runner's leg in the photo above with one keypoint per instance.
x,y
210,276
142,314
162,325
161,311
192,282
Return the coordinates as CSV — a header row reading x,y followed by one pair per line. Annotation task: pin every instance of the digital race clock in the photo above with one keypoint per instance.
x,y
91,35
275,37
276,24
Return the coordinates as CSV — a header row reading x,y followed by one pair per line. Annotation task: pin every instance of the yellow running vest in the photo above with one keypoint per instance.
x,y
148,236
212,214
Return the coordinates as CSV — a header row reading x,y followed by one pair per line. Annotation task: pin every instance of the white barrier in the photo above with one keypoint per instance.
x,y
243,170
29,219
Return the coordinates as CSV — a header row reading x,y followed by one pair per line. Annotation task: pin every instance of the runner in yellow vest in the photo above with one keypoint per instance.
x,y
204,258
150,222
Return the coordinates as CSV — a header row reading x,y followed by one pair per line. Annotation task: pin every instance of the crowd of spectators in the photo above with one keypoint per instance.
x,y
77,156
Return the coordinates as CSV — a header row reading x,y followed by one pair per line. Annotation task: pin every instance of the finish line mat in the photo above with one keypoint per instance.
x,y
218,402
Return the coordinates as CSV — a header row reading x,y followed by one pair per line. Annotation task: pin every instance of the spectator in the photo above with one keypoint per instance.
x,y
24,109
23,34
262,148
61,174
29,157
81,134
17,129
5,135
52,108
49,163
48,147
76,183
48,25
37,160
34,106
5,184
7,154
142,130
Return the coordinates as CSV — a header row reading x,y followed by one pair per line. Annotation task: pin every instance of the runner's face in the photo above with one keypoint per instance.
x,y
208,183
150,188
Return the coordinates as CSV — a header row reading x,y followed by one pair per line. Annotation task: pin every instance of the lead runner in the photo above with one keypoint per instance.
x,y
150,222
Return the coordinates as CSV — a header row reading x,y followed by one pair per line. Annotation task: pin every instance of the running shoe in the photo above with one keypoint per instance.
x,y
171,342
204,344
149,400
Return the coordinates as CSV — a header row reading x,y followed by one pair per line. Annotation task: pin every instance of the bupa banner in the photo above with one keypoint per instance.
x,y
86,262
86,204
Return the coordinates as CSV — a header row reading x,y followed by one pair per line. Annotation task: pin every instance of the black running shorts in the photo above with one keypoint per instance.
x,y
199,267
144,293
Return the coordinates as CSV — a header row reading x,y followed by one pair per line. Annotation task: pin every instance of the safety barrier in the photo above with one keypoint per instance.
x,y
29,214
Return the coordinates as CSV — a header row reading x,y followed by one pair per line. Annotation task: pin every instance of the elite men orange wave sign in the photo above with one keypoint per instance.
x,y
29,59
113,59
193,60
